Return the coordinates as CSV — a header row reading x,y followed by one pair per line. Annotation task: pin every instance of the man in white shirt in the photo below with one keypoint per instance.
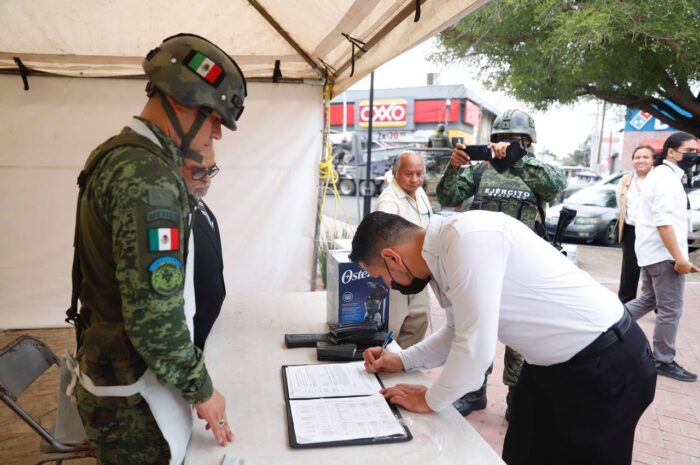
x,y
588,373
409,315
661,245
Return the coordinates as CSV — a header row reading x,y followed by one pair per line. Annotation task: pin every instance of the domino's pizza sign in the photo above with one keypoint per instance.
x,y
638,120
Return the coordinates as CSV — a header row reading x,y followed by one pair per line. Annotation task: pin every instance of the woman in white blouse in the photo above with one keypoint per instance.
x,y
628,196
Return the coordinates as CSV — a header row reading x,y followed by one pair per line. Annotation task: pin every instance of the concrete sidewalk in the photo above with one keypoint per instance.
x,y
669,431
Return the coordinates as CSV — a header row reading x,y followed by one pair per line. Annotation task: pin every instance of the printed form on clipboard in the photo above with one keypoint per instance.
x,y
338,404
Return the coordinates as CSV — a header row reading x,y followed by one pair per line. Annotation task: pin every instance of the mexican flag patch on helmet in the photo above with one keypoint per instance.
x,y
205,67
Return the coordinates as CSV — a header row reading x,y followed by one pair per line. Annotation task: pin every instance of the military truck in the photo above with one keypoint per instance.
x,y
350,161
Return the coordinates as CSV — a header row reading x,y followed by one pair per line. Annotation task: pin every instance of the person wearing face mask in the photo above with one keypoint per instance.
x,y
409,315
588,373
518,186
629,191
209,287
661,245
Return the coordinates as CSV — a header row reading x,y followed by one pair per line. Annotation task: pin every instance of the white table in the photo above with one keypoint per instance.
x,y
244,354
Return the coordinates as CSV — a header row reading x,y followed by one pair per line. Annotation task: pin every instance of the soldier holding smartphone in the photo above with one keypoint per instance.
x,y
513,182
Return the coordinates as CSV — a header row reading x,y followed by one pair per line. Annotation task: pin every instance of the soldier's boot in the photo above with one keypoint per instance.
x,y
475,400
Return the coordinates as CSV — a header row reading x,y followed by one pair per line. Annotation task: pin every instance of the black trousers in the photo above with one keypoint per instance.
x,y
584,411
629,275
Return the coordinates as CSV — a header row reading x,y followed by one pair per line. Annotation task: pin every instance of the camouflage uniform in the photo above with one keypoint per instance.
x,y
131,236
439,141
132,297
519,192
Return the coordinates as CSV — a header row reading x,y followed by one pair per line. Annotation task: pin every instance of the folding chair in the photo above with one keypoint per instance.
x,y
21,363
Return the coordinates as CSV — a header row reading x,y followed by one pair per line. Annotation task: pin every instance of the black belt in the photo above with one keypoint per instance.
x,y
613,334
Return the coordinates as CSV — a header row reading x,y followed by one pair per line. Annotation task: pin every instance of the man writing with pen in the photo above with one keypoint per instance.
x,y
588,374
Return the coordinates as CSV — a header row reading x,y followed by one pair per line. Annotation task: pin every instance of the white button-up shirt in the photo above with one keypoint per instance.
x,y
663,202
633,194
395,200
496,279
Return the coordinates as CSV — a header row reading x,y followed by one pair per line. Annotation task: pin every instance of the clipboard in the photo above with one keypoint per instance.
x,y
404,436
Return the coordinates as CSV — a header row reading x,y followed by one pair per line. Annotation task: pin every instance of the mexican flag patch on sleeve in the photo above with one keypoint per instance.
x,y
163,239
204,67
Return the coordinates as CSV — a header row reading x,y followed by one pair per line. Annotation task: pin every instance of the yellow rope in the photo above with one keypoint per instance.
x,y
327,173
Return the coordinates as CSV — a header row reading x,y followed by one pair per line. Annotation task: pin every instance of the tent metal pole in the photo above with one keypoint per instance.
x,y
285,35
405,12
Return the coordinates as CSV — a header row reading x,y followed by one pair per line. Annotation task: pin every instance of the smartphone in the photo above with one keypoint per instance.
x,y
479,152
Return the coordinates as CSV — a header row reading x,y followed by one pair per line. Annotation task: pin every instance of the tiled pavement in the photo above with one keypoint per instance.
x,y
668,432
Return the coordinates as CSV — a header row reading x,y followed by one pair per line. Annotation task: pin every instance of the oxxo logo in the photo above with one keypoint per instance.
x,y
348,276
387,113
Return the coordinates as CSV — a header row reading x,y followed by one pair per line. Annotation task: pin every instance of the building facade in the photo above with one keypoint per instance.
x,y
410,115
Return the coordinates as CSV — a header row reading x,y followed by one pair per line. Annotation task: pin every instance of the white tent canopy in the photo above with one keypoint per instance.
x,y
110,38
266,195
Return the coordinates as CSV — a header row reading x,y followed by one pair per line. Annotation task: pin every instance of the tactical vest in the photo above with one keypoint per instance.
x,y
439,141
105,351
509,194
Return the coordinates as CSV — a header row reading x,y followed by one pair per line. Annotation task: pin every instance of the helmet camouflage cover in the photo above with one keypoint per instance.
x,y
514,122
197,73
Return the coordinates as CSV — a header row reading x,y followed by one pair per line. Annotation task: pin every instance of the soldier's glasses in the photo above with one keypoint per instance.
x,y
199,173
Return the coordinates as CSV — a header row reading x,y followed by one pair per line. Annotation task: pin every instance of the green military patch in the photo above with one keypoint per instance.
x,y
166,275
160,198
163,214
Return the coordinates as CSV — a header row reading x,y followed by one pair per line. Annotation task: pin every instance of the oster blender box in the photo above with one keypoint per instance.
x,y
353,295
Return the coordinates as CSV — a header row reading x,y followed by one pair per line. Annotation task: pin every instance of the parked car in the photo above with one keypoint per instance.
x,y
694,236
611,179
576,182
350,161
586,178
596,218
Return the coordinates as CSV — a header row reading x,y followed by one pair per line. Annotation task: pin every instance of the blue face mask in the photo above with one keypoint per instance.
x,y
414,287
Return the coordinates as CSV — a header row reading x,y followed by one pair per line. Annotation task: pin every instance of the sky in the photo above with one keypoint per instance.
x,y
559,130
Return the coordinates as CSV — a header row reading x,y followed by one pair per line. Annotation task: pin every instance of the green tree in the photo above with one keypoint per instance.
x,y
637,53
581,156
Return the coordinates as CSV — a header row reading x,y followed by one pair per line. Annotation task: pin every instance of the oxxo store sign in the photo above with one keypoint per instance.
x,y
390,113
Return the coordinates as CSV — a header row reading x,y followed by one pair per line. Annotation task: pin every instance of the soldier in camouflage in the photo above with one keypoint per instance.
x,y
439,139
517,185
139,371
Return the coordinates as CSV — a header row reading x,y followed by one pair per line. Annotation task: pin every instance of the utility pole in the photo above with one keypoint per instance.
x,y
448,103
600,137
368,176
345,114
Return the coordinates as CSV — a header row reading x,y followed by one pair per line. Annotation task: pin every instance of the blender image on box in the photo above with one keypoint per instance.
x,y
353,295
374,304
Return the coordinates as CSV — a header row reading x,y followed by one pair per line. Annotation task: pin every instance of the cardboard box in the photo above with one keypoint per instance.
x,y
352,295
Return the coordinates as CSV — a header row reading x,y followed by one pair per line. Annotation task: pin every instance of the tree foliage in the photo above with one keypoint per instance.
x,y
581,156
638,53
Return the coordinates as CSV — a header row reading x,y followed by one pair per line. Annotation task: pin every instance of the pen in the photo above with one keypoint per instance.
x,y
386,342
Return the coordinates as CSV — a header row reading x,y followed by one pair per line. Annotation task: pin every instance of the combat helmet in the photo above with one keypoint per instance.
x,y
440,128
195,73
514,122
